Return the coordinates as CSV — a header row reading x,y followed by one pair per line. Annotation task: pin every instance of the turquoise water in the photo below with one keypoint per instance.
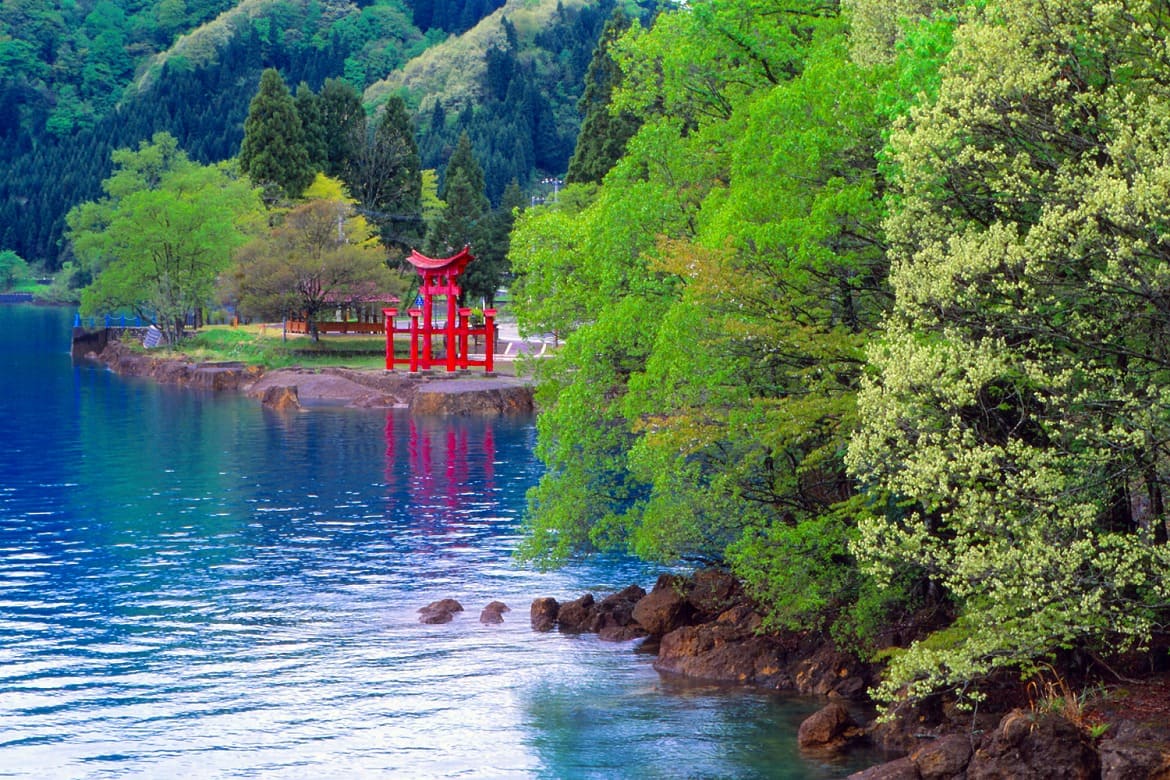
x,y
193,586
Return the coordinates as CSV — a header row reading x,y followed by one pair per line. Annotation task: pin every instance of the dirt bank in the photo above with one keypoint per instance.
x,y
294,388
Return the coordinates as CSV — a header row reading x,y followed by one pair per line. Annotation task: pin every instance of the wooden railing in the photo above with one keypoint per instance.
x,y
300,326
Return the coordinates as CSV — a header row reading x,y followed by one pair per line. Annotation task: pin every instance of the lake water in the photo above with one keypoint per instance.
x,y
193,586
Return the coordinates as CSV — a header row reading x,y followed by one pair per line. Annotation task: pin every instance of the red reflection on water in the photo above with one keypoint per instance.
x,y
439,460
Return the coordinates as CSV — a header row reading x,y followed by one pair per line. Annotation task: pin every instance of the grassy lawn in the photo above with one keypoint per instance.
x,y
263,345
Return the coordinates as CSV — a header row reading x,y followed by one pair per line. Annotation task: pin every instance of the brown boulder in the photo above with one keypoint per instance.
x,y
281,398
725,651
621,633
441,611
1035,745
220,377
943,758
826,728
613,619
494,613
665,608
576,617
902,769
713,592
461,397
828,671
543,614
1134,753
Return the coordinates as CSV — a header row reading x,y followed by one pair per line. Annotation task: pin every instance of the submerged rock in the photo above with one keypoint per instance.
x,y
494,613
576,617
826,729
441,611
543,614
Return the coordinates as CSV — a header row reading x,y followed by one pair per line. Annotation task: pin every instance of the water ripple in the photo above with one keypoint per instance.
x,y
191,586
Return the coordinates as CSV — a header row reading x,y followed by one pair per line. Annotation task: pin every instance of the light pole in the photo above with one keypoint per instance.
x,y
556,185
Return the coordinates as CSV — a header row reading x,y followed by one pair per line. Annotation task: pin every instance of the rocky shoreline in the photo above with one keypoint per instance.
x,y
296,388
706,628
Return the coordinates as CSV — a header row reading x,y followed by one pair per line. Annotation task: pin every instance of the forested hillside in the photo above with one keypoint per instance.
x,y
80,80
873,310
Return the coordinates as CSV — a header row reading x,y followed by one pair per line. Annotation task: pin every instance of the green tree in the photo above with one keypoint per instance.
x,y
748,398
385,177
491,268
1017,417
603,135
431,203
309,112
463,160
319,257
700,60
13,269
171,15
465,204
156,249
584,269
273,153
715,296
343,125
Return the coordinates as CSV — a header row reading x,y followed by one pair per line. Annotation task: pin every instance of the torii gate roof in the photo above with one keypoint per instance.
x,y
456,262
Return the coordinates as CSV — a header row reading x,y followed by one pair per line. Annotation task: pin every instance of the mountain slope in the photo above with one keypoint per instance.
x,y
454,70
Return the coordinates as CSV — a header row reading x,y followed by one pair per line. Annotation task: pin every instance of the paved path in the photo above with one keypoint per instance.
x,y
513,344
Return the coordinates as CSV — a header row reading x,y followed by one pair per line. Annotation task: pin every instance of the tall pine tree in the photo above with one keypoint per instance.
x,y
343,124
273,153
466,204
603,136
309,110
384,175
491,268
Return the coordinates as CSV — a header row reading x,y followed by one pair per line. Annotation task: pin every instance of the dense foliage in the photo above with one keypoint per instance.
x,y
867,301
871,310
13,269
517,94
319,256
1018,404
79,80
165,230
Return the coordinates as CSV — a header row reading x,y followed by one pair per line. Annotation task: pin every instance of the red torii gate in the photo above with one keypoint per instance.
x,y
440,277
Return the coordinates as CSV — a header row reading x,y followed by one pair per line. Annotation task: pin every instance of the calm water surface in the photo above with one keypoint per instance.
x,y
193,586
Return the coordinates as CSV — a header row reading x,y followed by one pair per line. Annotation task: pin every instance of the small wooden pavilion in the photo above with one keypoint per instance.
x,y
440,280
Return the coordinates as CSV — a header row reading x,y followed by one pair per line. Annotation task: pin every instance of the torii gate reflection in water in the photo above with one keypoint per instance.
x,y
440,278
439,467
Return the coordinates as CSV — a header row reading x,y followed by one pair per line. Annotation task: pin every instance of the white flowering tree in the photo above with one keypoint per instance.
x,y
1018,414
